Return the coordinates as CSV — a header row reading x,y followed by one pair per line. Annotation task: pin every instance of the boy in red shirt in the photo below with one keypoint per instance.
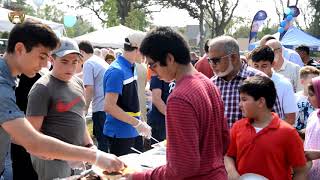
x,y
262,143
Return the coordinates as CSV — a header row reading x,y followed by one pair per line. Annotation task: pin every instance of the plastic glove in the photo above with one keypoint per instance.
x,y
143,129
108,162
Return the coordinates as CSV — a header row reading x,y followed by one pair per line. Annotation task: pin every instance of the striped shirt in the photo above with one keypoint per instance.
x,y
197,133
231,97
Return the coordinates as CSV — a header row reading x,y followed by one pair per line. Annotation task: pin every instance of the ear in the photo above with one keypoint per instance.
x,y
170,59
301,80
262,102
273,63
20,48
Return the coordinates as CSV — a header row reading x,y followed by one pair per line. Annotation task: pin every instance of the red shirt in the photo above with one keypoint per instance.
x,y
197,133
271,152
204,67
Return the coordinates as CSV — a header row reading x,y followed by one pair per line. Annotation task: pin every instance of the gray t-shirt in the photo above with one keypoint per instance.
x,y
93,73
8,107
62,105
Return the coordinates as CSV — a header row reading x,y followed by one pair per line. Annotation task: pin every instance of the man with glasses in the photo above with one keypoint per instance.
x,y
230,72
123,123
282,66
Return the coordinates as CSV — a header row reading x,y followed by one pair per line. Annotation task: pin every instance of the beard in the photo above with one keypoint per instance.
x,y
227,71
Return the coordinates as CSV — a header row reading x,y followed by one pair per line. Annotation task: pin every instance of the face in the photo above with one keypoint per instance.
x,y
164,72
264,66
220,62
65,67
313,99
302,54
248,105
30,63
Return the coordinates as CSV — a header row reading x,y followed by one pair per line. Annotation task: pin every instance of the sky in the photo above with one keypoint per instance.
x,y
246,8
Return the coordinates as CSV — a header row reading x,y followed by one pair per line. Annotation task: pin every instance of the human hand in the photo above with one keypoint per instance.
x,y
233,175
143,129
108,162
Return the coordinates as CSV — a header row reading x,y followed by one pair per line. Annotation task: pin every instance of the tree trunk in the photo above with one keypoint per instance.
x,y
123,10
201,30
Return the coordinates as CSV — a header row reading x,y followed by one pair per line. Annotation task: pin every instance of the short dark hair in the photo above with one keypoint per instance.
x,y
127,46
32,34
206,46
161,41
260,86
303,48
86,46
262,53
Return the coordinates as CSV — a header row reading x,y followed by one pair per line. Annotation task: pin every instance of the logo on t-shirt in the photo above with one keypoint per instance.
x,y
64,107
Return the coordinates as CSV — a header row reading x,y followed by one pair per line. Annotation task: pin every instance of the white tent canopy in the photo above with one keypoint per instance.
x,y
6,25
111,37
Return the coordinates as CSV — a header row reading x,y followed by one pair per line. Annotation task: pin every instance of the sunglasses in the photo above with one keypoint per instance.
x,y
217,60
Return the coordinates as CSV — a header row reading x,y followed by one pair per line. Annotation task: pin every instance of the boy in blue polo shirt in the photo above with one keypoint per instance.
x,y
123,125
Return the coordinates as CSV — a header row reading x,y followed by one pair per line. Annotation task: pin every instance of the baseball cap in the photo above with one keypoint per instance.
x,y
67,46
134,39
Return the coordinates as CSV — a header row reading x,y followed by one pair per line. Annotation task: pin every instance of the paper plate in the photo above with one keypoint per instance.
x,y
252,176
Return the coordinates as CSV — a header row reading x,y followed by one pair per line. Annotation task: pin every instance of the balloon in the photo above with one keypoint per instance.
x,y
289,17
69,20
281,30
283,23
38,2
287,11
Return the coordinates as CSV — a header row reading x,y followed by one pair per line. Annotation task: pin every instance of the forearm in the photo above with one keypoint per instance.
x,y
300,173
56,149
88,97
115,111
160,105
38,144
229,164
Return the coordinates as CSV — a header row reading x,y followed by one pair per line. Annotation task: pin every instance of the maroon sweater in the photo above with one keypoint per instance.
x,y
197,133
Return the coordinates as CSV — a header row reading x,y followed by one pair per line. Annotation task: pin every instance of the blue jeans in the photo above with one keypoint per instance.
x,y
98,119
7,174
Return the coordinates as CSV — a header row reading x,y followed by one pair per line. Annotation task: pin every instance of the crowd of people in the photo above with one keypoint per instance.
x,y
223,115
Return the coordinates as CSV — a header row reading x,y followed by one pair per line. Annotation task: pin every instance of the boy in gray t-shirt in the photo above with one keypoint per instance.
x,y
56,108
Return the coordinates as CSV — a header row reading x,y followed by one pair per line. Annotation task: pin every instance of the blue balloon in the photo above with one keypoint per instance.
x,y
289,17
283,23
287,11
281,30
69,20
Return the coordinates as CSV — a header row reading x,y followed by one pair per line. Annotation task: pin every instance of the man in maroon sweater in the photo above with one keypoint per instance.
x,y
197,133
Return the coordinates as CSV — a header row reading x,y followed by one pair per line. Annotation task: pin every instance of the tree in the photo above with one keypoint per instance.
x,y
118,11
19,5
51,13
136,19
216,13
314,28
81,27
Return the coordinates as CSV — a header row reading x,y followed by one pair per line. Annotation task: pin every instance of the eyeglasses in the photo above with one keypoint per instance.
x,y
217,60
152,65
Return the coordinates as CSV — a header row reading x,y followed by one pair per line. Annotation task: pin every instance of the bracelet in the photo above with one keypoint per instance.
x,y
98,154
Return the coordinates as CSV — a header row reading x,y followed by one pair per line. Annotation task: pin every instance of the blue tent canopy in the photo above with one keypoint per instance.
x,y
293,38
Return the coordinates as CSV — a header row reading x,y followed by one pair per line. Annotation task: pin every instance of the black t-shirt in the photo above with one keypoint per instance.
x,y
166,88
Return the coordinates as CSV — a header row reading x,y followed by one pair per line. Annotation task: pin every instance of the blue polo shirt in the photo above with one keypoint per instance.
x,y
121,78
8,107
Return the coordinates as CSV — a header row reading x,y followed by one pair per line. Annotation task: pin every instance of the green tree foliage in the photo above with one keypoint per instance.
x,y
81,27
115,12
19,5
51,13
137,19
112,13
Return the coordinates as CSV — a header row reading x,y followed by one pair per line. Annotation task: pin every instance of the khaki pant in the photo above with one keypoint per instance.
x,y
50,169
